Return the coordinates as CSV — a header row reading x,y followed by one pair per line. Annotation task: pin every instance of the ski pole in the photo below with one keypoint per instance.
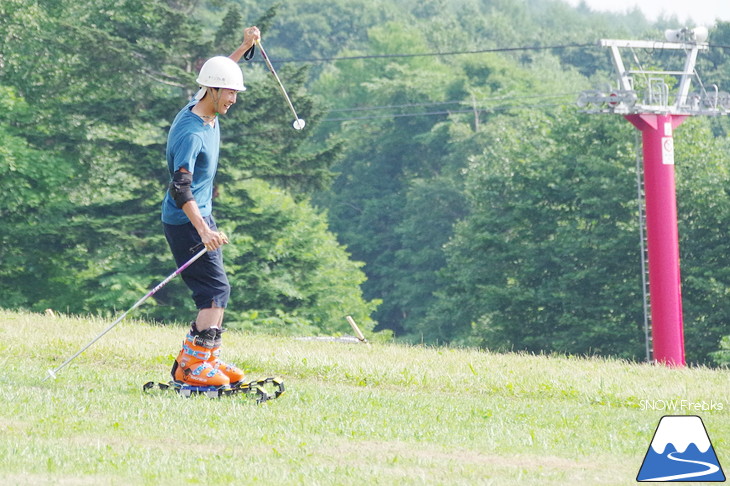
x,y
52,373
298,122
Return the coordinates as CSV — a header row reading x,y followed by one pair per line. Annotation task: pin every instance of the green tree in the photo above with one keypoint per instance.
x,y
288,273
395,201
703,212
96,106
89,131
547,259
378,184
722,356
31,211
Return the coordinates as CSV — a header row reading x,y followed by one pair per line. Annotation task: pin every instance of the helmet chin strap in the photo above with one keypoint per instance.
x,y
216,100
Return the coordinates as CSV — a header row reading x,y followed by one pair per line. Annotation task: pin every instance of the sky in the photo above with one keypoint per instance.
x,y
702,12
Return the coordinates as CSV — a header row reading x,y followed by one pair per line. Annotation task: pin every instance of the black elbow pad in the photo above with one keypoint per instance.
x,y
180,188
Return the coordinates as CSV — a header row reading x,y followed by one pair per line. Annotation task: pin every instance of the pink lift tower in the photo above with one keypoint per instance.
x,y
656,114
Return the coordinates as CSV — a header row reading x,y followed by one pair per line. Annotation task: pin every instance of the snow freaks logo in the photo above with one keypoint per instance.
x,y
681,451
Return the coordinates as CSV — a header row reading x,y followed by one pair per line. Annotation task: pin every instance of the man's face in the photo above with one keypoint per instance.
x,y
226,98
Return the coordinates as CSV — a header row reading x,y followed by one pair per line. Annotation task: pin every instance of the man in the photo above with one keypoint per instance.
x,y
192,159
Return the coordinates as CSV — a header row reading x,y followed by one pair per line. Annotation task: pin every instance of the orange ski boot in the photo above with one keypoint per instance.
x,y
234,374
192,366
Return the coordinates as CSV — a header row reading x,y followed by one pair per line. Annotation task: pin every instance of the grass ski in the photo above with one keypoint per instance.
x,y
259,390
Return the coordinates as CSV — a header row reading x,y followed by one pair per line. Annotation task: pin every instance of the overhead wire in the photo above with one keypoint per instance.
x,y
472,107
434,54
443,112
464,103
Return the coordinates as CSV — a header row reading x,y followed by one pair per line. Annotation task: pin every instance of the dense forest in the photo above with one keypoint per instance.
x,y
446,189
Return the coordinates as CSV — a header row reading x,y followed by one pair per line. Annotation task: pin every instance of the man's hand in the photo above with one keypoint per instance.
x,y
251,35
213,239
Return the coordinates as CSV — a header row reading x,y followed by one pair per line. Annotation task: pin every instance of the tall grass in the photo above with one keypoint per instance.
x,y
352,414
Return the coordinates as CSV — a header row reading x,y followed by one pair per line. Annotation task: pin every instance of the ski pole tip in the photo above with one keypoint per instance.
x,y
51,374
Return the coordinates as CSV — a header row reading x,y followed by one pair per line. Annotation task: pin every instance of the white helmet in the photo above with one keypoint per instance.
x,y
220,72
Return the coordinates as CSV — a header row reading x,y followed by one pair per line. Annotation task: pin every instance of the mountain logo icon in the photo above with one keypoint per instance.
x,y
681,451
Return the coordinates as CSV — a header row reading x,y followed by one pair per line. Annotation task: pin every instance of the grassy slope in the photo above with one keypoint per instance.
x,y
353,414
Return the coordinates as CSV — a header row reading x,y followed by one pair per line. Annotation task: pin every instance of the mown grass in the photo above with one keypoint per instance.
x,y
352,414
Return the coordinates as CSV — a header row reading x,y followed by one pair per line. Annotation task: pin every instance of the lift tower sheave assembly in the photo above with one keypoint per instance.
x,y
643,97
